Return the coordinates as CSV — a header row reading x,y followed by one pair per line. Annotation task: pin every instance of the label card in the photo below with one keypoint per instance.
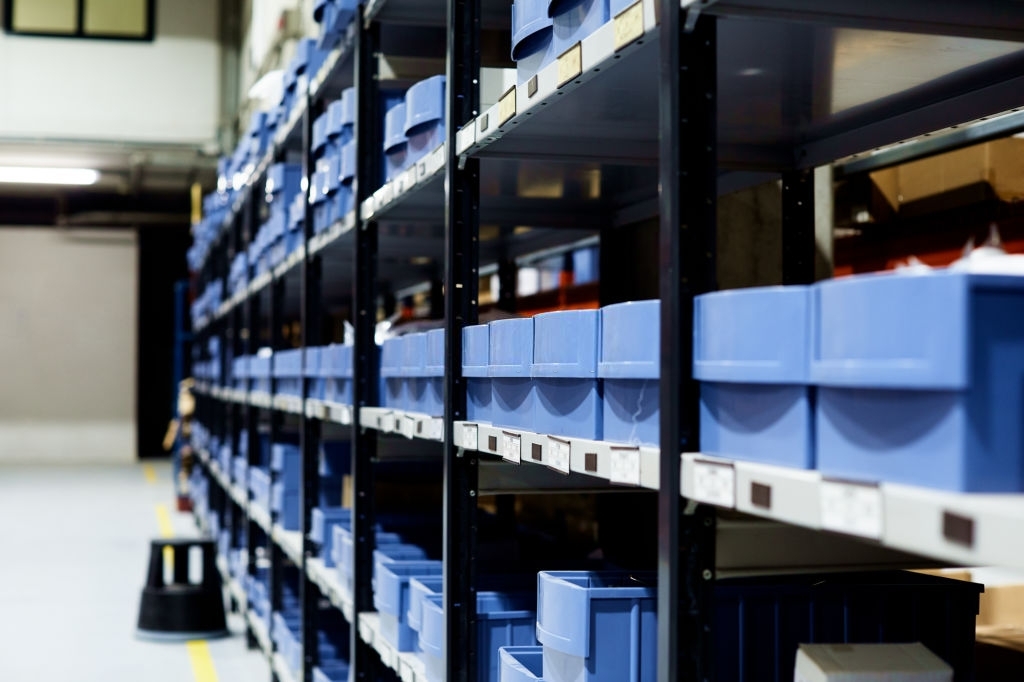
x,y
714,483
511,447
851,508
624,466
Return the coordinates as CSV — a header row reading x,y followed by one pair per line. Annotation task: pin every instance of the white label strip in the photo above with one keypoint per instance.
x,y
511,447
714,483
471,436
558,454
851,508
624,466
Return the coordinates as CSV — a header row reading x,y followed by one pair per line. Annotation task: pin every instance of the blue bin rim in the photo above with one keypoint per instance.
x,y
348,106
335,118
526,35
424,103
347,170
394,127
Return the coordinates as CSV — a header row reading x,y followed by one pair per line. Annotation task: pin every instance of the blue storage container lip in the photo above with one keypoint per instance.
x,y
765,370
525,36
348,161
394,128
348,106
424,103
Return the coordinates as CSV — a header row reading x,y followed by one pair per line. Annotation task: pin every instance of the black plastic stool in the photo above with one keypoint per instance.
x,y
181,610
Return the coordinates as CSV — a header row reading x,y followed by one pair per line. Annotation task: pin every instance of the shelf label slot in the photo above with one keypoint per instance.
x,y
570,64
714,482
958,529
852,508
624,466
558,454
507,106
511,447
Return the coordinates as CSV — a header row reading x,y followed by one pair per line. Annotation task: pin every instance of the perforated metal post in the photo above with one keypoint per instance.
x,y
688,180
462,226
368,136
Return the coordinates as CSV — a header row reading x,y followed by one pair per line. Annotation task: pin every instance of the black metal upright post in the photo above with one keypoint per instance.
x,y
277,298
461,278
252,316
688,179
798,249
309,435
368,135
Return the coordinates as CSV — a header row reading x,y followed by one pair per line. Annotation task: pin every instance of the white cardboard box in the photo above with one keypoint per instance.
x,y
869,663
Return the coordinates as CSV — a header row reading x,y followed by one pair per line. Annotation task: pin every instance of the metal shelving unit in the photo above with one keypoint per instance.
x,y
671,103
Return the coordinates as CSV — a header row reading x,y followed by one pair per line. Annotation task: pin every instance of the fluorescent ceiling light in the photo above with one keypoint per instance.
x,y
34,175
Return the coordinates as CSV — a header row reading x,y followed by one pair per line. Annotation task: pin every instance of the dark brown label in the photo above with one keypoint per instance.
x,y
958,529
760,495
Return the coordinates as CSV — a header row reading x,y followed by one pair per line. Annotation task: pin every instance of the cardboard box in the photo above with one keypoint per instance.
x,y
869,663
999,163
1002,605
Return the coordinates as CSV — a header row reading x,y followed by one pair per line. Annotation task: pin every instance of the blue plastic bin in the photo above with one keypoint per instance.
x,y
286,463
432,401
284,502
752,355
284,181
565,353
321,531
597,627
240,372
574,20
419,589
344,554
424,118
521,664
391,599
314,375
259,486
532,38
476,352
502,620
921,380
396,157
414,362
509,366
336,366
395,394
288,372
630,366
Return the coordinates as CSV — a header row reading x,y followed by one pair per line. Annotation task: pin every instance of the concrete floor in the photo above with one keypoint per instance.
x,y
74,546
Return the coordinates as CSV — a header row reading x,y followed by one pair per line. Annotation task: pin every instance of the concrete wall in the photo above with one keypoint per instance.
x,y
68,310
164,91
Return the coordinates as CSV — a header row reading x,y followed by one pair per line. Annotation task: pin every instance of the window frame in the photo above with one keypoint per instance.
x,y
80,33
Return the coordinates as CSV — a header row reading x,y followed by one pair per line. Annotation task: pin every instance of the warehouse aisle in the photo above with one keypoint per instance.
x,y
74,545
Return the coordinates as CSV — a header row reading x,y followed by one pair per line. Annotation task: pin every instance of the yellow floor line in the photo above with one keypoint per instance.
x,y
163,519
149,472
202,662
198,652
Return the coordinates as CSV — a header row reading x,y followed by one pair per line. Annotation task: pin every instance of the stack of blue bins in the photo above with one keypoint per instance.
x,y
346,142
344,554
321,532
257,592
238,275
327,173
597,627
921,379
240,462
395,394
432,401
286,465
311,370
288,372
336,370
259,487
333,18
424,118
304,65
413,370
504,618
286,626
751,354
395,147
532,39
509,367
629,369
332,645
476,351
564,371
391,594
284,182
